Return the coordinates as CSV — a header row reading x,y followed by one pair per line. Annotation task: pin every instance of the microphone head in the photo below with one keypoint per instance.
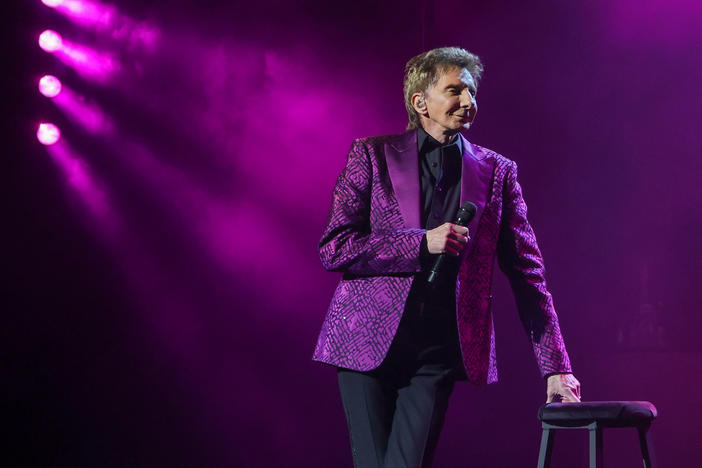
x,y
466,213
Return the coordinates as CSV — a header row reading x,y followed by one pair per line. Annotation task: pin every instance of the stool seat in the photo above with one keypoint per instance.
x,y
595,416
604,413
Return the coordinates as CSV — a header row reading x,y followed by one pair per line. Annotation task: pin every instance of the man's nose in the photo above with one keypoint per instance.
x,y
466,99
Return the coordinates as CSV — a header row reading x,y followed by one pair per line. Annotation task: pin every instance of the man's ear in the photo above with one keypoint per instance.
x,y
419,103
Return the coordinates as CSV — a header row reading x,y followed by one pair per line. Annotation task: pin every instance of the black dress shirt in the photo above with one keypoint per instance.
x,y
439,179
440,169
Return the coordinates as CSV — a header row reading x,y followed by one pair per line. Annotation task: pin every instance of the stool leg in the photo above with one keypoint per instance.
x,y
546,448
644,447
596,458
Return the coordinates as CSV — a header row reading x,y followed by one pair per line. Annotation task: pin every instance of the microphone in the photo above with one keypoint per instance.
x,y
464,216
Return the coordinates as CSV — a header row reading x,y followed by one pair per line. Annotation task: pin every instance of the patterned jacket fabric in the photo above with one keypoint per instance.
x,y
373,237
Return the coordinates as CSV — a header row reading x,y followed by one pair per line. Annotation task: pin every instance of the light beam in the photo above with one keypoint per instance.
x,y
84,112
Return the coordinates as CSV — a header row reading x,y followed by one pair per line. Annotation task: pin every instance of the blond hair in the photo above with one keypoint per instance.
x,y
423,71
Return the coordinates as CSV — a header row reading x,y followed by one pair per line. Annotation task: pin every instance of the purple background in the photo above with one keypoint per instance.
x,y
164,292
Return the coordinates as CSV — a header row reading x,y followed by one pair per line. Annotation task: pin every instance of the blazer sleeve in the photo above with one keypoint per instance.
x,y
520,259
350,242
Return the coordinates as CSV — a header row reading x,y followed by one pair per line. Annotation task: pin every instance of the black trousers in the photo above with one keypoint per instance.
x,y
395,412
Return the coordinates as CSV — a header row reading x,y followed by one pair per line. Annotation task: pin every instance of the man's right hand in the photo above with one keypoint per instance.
x,y
448,238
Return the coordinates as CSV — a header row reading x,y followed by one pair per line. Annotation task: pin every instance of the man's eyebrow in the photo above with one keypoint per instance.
x,y
459,87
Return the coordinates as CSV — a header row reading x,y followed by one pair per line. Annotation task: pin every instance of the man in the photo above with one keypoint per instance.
x,y
400,343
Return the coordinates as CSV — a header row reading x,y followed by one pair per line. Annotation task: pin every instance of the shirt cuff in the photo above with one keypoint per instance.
x,y
425,258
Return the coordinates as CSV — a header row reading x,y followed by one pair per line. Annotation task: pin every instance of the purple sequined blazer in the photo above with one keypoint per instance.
x,y
373,237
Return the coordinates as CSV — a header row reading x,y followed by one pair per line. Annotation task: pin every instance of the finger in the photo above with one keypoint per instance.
x,y
455,245
569,396
461,239
573,384
574,399
462,230
452,251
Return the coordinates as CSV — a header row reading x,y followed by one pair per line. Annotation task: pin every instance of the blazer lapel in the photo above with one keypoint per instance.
x,y
476,181
403,167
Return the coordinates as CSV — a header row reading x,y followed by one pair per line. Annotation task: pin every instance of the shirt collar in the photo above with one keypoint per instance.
x,y
426,143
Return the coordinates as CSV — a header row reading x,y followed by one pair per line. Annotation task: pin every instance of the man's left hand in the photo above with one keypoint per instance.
x,y
562,388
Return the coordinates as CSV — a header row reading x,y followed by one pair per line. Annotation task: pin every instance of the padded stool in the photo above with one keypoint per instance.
x,y
595,416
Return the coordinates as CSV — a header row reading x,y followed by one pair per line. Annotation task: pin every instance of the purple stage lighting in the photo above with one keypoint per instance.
x,y
48,133
50,41
84,112
108,20
88,62
52,3
49,86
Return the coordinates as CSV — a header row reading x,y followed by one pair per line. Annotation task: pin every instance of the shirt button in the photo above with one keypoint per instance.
x,y
439,189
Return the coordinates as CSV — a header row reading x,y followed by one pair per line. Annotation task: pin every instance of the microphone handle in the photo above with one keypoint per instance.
x,y
434,273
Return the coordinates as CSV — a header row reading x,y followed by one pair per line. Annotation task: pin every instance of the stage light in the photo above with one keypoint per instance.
x,y
49,86
52,3
48,133
50,41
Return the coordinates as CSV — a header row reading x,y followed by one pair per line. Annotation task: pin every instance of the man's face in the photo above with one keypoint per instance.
x,y
450,103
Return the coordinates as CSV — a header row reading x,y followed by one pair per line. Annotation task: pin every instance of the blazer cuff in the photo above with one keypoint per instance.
x,y
555,373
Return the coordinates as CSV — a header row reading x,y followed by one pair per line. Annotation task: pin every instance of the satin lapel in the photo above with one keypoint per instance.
x,y
403,167
476,181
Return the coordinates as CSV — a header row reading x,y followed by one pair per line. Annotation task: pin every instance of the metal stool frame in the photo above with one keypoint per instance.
x,y
596,443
